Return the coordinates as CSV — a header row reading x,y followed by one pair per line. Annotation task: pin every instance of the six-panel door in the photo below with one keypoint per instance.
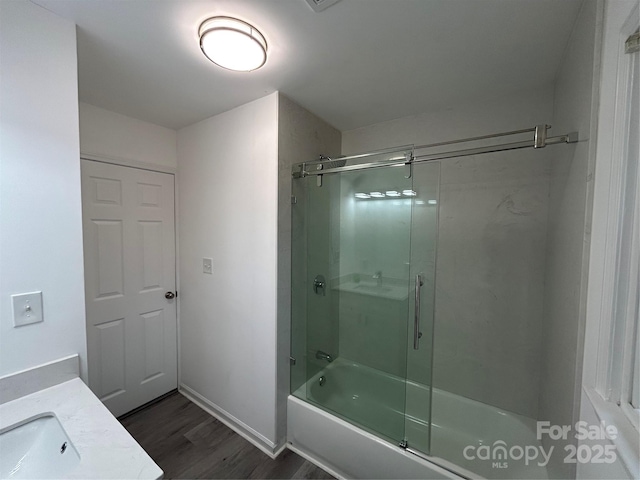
x,y
129,254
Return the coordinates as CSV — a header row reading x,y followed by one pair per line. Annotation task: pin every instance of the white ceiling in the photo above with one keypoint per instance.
x,y
357,63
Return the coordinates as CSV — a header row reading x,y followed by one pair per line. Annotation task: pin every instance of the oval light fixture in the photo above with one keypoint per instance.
x,y
232,44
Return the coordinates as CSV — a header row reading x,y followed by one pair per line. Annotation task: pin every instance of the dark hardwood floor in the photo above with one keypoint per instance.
x,y
187,442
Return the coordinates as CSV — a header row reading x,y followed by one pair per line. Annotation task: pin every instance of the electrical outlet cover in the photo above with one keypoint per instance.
x,y
27,308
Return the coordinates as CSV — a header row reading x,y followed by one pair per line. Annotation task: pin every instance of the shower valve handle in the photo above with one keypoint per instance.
x,y
319,283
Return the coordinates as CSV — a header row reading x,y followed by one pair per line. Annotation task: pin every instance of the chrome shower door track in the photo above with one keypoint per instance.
x,y
408,157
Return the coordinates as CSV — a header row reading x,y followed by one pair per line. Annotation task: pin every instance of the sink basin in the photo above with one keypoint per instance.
x,y
38,448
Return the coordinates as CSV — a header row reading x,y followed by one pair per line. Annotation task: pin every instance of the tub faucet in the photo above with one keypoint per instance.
x,y
378,277
320,355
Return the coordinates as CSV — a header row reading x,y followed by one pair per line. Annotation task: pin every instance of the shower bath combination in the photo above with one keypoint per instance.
x,y
385,346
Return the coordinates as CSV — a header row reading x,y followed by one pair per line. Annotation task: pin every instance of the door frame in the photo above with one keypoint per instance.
x,y
123,162
620,21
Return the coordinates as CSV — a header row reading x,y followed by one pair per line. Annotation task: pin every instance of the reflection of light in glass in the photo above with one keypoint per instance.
x,y
433,202
393,194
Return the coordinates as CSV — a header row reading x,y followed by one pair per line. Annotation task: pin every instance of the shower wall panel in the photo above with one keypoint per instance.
x,y
490,278
571,193
491,248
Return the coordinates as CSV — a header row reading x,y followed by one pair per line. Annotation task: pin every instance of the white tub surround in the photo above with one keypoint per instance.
x,y
105,448
376,401
459,423
346,451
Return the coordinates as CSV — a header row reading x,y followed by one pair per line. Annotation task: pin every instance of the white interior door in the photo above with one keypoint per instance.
x,y
129,257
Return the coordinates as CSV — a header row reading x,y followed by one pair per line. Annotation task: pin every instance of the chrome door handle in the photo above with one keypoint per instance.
x,y
416,319
169,295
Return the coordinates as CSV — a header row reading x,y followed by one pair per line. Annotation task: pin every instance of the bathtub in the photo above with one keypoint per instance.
x,y
322,429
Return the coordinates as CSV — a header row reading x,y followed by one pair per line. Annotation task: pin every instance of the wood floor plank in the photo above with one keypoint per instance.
x,y
173,415
215,459
239,464
285,466
187,442
309,470
210,434
176,456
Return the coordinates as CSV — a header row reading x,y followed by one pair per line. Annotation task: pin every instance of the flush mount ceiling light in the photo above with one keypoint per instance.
x,y
232,44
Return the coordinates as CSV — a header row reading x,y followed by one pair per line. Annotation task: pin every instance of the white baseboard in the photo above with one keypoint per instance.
x,y
245,431
279,450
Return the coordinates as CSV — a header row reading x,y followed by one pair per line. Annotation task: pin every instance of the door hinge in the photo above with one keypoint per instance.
x,y
294,200
404,444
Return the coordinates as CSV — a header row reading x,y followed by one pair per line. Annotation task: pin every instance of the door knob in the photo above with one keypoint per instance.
x,y
169,295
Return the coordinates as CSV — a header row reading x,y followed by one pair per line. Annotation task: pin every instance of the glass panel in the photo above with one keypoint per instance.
x,y
424,235
490,321
351,245
298,370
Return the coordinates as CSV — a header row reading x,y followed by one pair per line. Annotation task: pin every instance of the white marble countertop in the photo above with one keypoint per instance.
x,y
389,290
106,449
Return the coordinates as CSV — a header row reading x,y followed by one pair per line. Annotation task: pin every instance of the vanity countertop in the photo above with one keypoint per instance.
x,y
389,291
106,449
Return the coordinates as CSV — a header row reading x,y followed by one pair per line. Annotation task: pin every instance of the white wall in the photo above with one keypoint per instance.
x,y
108,134
492,228
40,202
568,236
227,177
458,121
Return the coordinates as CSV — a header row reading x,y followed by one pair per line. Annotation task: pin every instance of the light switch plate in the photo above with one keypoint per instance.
x,y
27,308
207,265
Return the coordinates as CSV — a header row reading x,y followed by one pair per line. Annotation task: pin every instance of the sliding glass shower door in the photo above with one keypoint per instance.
x,y
363,263
424,235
